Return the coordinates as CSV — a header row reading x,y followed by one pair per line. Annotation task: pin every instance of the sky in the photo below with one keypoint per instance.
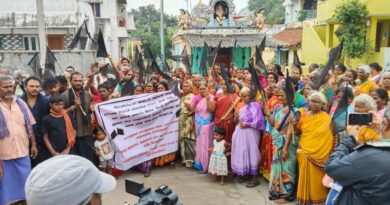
x,y
172,7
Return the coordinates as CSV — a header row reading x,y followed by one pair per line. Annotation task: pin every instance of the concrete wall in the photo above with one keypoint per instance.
x,y
22,13
325,9
316,47
313,48
80,60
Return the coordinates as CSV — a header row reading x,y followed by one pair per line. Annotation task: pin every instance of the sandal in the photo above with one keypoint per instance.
x,y
252,184
147,174
241,180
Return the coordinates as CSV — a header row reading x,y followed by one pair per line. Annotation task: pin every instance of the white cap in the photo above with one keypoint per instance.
x,y
66,180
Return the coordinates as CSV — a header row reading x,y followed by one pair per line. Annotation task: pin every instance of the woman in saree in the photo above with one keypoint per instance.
x,y
204,106
266,139
364,104
186,127
315,146
246,138
385,83
365,86
381,98
162,86
283,177
146,167
340,118
224,113
309,87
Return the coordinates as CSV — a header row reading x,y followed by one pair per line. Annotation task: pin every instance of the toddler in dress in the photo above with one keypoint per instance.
x,y
218,166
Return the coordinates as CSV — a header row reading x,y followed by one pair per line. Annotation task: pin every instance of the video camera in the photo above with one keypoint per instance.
x,y
161,196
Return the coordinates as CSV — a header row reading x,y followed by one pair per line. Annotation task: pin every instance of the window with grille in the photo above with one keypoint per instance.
x,y
30,43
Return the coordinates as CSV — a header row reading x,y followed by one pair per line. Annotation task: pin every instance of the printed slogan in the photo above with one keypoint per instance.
x,y
141,127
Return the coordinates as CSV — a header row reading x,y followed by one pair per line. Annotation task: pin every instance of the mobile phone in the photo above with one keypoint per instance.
x,y
359,118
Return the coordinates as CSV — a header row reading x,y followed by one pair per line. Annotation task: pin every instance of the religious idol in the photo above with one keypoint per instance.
x,y
220,13
183,19
260,19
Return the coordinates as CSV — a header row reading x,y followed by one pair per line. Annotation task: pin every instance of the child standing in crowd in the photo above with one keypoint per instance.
x,y
103,150
57,128
218,162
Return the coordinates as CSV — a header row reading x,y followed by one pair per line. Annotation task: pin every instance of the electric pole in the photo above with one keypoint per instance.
x,y
41,33
162,33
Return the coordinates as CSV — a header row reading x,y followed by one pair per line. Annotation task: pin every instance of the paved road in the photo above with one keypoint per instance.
x,y
192,188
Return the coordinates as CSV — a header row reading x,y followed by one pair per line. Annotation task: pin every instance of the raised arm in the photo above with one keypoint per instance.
x,y
115,67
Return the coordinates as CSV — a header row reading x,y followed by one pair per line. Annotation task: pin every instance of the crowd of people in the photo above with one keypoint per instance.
x,y
303,150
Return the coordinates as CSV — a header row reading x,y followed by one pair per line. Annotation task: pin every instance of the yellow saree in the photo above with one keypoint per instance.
x,y
365,88
315,146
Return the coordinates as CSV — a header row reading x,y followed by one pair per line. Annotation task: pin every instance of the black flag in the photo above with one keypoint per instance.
x,y
228,81
166,67
290,94
203,60
186,60
101,51
262,44
157,69
149,54
213,56
148,67
289,90
127,87
89,34
255,83
76,37
50,61
175,88
297,63
335,54
141,67
260,62
34,65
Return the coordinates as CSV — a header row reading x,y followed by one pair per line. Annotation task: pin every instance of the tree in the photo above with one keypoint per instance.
x,y
352,16
274,10
147,22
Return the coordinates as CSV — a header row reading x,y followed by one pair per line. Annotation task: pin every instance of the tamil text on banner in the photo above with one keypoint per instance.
x,y
141,127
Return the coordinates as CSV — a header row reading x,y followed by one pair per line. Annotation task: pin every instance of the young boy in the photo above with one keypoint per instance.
x,y
103,150
57,128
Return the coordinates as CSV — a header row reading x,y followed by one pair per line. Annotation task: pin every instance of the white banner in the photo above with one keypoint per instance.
x,y
142,127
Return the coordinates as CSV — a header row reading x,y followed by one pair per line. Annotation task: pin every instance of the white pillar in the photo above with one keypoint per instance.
x,y
41,33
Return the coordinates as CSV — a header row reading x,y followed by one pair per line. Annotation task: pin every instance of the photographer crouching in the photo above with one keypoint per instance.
x,y
362,170
67,180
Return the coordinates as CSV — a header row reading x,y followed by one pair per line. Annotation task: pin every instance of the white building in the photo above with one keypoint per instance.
x,y
19,31
295,8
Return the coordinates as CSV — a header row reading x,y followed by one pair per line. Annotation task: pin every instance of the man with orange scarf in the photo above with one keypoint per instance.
x,y
57,128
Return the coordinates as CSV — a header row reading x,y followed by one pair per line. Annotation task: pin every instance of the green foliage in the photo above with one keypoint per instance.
x,y
147,22
274,10
302,15
352,16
